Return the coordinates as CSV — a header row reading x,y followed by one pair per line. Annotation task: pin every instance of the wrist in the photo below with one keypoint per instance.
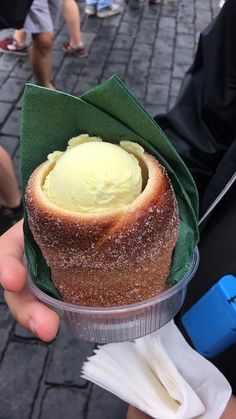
x,y
230,410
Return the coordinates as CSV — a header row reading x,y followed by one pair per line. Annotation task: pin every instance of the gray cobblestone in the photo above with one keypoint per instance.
x,y
103,405
20,373
67,356
6,324
63,403
5,109
11,144
12,125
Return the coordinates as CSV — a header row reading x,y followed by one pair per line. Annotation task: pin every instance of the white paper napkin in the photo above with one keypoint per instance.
x,y
161,375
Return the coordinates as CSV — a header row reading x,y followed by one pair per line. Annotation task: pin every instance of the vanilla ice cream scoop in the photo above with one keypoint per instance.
x,y
93,176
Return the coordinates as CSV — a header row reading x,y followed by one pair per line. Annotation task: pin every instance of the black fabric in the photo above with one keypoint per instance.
x,y
202,123
202,126
13,13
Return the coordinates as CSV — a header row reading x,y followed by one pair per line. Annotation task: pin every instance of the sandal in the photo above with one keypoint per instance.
x,y
10,216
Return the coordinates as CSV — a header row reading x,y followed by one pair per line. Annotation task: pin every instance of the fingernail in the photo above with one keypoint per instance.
x,y
33,327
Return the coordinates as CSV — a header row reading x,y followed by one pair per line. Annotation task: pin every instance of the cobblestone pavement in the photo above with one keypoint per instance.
x,y
150,48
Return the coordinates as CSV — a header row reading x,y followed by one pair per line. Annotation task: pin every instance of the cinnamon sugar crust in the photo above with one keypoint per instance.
x,y
114,258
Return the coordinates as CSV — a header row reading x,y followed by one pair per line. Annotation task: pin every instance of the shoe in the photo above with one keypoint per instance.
x,y
90,10
113,9
80,51
10,46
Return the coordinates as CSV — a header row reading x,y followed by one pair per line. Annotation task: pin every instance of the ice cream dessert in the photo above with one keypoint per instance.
x,y
105,217
93,176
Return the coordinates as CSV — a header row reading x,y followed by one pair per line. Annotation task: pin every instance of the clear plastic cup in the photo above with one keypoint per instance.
x,y
123,323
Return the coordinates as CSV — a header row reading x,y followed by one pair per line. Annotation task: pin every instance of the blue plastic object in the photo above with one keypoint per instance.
x,y
211,321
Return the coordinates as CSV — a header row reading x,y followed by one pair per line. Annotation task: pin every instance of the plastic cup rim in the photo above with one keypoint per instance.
x,y
61,305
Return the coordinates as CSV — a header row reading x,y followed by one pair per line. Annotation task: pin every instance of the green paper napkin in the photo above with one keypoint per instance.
x,y
50,118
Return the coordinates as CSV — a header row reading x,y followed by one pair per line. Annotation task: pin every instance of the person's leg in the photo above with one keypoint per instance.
x,y
20,37
9,190
15,44
41,58
71,15
40,23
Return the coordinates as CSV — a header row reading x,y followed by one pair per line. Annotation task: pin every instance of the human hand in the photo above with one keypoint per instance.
x,y
134,413
229,413
25,308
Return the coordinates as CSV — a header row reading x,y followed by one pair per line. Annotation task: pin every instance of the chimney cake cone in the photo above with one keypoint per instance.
x,y
111,258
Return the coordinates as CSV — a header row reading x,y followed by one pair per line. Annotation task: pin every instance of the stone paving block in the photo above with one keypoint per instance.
x,y
71,65
91,24
11,90
137,88
91,74
200,25
5,109
185,41
104,405
82,87
57,59
186,12
162,60
179,70
159,76
162,47
156,109
65,83
172,101
8,62
20,373
203,5
157,94
12,125
175,87
185,27
1,295
169,9
20,332
67,356
64,403
127,29
16,162
105,34
137,69
9,143
183,56
114,68
119,57
167,22
3,76
151,11
23,69
113,21
123,42
132,15
6,325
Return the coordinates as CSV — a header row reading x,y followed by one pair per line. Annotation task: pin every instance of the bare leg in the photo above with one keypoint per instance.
x,y
20,37
9,190
71,15
41,58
